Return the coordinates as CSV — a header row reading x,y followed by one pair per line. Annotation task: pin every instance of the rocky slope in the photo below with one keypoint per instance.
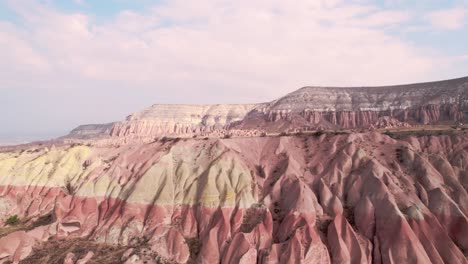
x,y
181,120
309,108
332,107
316,198
91,131
168,186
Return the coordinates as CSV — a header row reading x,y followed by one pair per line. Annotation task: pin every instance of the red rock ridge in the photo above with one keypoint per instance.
x,y
309,108
350,198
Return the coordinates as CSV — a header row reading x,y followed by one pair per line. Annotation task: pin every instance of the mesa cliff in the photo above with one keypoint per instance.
x,y
167,186
309,108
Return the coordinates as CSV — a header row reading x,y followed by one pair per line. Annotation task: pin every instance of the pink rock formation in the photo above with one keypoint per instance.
x,y
389,122
350,198
227,191
309,108
345,245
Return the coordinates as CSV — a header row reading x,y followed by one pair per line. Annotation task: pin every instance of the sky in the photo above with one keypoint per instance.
x,y
66,63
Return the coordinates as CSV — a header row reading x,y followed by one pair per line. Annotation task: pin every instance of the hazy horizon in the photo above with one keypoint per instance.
x,y
13,139
68,63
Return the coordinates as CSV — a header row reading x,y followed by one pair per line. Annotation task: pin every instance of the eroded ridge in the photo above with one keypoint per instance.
x,y
309,108
313,198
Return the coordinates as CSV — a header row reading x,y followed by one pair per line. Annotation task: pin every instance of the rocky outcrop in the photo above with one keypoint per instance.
x,y
349,198
309,108
90,131
389,122
100,194
362,107
160,120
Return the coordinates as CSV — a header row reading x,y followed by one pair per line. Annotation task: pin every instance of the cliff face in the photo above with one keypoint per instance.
x,y
304,199
90,131
309,108
181,120
136,192
331,107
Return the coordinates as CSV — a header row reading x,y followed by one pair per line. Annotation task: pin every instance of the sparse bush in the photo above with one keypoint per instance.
x,y
86,164
70,188
399,155
263,134
322,225
282,134
227,136
318,133
260,171
194,246
12,220
164,139
340,132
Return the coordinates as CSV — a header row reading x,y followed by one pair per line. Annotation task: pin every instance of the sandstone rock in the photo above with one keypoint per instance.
x,y
305,198
207,200
86,258
70,258
90,131
309,108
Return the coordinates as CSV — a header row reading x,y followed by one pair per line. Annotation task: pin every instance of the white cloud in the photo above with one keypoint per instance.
x,y
448,19
265,48
463,57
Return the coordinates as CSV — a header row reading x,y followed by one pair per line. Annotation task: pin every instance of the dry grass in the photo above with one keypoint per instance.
x,y
194,245
26,225
427,130
55,251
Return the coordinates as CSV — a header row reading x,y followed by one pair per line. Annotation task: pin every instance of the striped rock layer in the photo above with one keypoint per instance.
x,y
309,108
349,198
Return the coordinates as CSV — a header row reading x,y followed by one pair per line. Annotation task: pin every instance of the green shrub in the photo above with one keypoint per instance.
x,y
12,220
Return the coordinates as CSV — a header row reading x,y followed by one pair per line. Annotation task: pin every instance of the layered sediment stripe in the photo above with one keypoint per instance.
x,y
362,197
159,174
